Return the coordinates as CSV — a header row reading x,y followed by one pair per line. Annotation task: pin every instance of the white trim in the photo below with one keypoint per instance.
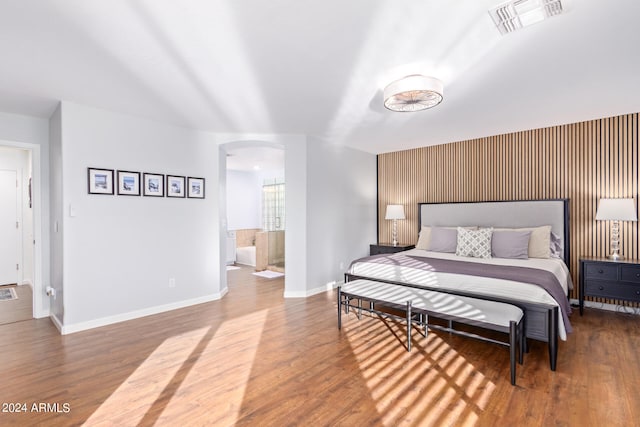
x,y
123,317
310,292
56,322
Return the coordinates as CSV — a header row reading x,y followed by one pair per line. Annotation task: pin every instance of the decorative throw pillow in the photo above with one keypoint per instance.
x,y
443,239
510,244
474,243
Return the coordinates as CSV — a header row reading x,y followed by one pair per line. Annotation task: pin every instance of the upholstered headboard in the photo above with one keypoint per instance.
x,y
511,214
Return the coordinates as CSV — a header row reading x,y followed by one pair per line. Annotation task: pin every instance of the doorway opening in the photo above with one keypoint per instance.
x,y
17,235
255,210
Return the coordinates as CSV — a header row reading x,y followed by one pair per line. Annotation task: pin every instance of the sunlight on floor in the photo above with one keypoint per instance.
x,y
432,384
226,372
137,394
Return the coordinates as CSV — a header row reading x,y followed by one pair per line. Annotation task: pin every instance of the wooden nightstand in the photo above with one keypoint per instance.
x,y
388,248
602,277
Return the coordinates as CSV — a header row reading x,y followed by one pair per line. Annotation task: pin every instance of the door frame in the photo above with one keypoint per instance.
x,y
40,305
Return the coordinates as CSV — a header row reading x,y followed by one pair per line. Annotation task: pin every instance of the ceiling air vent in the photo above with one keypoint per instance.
x,y
517,14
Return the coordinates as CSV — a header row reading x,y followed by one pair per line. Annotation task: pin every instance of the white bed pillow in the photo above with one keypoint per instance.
x,y
539,241
424,237
474,243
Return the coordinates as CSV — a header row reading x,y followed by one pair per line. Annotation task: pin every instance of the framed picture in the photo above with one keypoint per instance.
x,y
153,184
128,183
175,186
100,181
195,188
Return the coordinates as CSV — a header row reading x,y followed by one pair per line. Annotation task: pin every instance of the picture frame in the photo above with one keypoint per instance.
x,y
128,183
175,186
153,184
195,188
100,181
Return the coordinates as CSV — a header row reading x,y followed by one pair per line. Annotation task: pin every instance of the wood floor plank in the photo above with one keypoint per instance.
x,y
255,358
19,309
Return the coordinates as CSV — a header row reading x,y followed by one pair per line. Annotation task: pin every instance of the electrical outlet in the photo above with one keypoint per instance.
x,y
172,282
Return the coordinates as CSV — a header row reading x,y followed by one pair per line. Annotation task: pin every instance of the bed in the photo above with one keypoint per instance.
x,y
539,286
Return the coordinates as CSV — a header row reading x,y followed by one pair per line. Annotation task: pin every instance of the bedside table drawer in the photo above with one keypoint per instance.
x,y
630,274
612,290
601,271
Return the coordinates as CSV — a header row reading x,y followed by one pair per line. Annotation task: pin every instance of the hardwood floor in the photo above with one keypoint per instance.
x,y
255,358
18,309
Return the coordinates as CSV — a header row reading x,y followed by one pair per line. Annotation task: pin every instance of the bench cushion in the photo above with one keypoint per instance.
x,y
476,311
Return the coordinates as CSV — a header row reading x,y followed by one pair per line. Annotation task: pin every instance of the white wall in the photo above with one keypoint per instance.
x,y
341,210
118,253
32,133
244,197
330,209
121,251
244,200
57,217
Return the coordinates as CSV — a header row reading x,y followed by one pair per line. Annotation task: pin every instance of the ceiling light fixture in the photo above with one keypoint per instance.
x,y
413,93
516,14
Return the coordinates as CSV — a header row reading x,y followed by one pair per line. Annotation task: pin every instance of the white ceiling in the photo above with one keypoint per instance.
x,y
318,68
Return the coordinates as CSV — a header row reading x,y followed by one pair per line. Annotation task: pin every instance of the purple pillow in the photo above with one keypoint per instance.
x,y
443,240
510,244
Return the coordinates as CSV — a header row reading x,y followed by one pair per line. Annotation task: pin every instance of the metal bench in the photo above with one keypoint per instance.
x,y
419,304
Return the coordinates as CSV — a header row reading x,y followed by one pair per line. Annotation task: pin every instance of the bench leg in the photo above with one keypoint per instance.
x,y
553,337
522,340
339,307
425,323
513,333
409,325
359,308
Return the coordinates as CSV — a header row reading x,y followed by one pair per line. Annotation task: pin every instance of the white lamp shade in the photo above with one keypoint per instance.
x,y
616,210
395,212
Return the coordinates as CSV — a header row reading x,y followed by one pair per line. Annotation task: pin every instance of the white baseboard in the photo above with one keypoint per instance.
x,y
608,307
304,294
123,317
56,322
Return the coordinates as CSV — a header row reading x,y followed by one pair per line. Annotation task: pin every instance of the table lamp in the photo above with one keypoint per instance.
x,y
395,212
616,210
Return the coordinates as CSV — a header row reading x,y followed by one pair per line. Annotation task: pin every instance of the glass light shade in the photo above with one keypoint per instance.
x,y
413,93
616,210
395,212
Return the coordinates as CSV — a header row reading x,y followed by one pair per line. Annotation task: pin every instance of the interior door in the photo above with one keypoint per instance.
x,y
9,233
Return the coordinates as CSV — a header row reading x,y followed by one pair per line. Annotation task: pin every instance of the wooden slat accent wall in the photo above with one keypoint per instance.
x,y
582,162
